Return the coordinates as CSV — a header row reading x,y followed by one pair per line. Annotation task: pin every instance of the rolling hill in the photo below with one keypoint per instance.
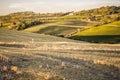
x,y
98,21
104,33
59,28
108,29
31,56
18,36
23,20
31,50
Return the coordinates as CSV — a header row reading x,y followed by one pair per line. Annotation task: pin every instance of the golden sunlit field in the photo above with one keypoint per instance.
x,y
30,56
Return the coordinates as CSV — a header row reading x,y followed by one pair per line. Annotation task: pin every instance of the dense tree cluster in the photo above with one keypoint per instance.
x,y
22,20
104,14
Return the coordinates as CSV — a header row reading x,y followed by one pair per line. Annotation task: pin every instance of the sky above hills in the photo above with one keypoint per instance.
x,y
44,6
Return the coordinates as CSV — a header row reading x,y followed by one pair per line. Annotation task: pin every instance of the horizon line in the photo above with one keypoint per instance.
x,y
58,11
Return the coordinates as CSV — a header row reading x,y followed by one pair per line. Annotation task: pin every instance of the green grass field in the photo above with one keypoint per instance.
x,y
72,17
59,28
108,29
105,33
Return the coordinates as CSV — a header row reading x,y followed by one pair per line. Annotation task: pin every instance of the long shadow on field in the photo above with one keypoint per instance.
x,y
56,30
12,45
99,38
103,51
77,23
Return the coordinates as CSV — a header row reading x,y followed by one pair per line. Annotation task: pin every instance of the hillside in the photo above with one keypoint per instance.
x,y
23,20
18,36
110,33
60,28
66,24
102,15
30,56
108,29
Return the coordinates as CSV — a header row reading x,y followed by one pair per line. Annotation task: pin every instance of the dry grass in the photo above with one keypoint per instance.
x,y
7,71
40,57
62,60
